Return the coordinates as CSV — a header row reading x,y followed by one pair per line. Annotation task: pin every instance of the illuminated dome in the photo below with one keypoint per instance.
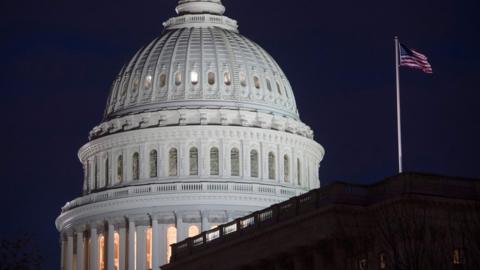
x,y
200,127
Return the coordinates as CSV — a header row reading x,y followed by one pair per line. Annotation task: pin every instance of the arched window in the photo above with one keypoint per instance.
x,y
269,85
256,82
171,239
153,163
193,230
235,162
211,78
120,169
271,166
254,163
178,79
193,161
107,171
299,173
227,78
214,161
286,168
194,77
135,166
163,80
279,90
243,79
147,84
172,162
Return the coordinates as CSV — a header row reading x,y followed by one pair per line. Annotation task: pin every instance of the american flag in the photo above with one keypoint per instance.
x,y
413,59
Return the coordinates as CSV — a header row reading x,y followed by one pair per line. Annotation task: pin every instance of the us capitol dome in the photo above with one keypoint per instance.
x,y
200,127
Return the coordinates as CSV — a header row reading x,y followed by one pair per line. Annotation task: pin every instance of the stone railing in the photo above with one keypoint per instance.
x,y
181,21
336,193
185,187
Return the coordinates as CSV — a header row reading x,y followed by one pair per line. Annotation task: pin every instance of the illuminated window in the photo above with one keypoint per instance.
x,y
136,83
286,168
135,166
193,231
256,82
299,173
214,161
107,171
458,257
120,169
271,166
171,239
194,77
147,84
243,79
101,252
116,251
163,80
235,162
172,162
148,248
153,164
178,79
211,78
193,161
269,85
86,249
254,163
227,78
382,261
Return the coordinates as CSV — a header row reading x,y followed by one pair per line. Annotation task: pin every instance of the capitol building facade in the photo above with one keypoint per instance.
x,y
200,127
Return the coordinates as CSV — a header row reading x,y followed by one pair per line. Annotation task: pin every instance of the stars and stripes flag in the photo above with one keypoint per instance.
x,y
413,59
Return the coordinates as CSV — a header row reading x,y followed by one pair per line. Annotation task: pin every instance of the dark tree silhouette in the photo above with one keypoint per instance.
x,y
19,254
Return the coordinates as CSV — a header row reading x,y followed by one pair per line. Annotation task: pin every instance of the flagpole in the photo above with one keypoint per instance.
x,y
399,122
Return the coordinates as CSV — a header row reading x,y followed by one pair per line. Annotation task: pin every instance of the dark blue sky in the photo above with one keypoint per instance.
x,y
59,58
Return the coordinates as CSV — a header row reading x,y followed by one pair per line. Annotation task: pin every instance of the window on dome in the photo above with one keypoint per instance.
x,y
107,171
147,84
299,173
227,78
211,78
153,163
243,79
193,230
214,161
256,82
171,239
235,162
97,168
286,91
135,166
163,80
172,162
286,168
279,90
87,175
269,85
271,166
120,169
194,77
135,84
193,161
254,164
178,79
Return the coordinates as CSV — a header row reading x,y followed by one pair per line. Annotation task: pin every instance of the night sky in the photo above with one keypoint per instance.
x,y
59,59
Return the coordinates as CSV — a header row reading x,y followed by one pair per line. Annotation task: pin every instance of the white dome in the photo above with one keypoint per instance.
x,y
201,61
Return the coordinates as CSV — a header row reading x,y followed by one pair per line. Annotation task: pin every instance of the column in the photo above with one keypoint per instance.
x,y
181,231
141,245
205,225
162,244
69,259
62,251
110,241
155,244
93,248
131,245
80,250
122,231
